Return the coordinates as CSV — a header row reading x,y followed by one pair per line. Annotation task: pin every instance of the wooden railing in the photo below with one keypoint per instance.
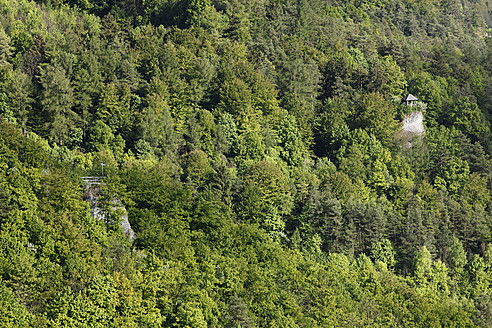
x,y
90,181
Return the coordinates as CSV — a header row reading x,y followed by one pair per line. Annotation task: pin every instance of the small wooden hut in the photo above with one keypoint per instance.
x,y
409,100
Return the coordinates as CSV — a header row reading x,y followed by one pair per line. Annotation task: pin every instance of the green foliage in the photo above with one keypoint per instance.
x,y
12,313
266,196
456,259
430,277
20,95
254,147
382,251
377,117
432,91
157,124
57,103
467,117
197,169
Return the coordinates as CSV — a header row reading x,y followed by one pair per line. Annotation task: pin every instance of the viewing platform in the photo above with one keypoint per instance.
x,y
91,181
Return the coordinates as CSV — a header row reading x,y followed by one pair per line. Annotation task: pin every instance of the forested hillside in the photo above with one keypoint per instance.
x,y
257,148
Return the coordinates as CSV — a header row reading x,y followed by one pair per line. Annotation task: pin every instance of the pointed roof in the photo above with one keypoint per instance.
x,y
409,97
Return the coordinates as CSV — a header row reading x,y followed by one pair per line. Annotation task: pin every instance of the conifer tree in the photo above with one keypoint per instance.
x,y
57,100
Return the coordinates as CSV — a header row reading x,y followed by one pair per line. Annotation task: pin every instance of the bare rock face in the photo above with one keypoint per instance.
x,y
413,124
127,228
117,206
413,128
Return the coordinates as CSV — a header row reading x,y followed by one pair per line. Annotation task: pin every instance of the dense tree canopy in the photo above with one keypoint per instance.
x,y
256,149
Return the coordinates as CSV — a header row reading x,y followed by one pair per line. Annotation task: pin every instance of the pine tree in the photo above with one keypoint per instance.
x,y
57,100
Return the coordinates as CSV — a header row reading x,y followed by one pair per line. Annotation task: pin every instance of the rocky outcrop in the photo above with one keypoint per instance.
x,y
117,207
413,124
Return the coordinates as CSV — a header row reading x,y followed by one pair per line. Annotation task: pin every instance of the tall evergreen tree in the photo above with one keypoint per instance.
x,y
57,101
